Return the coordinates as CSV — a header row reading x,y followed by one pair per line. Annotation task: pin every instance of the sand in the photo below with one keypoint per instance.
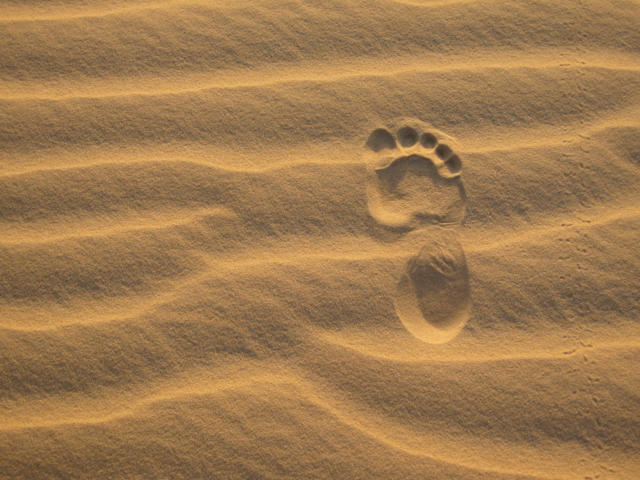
x,y
319,239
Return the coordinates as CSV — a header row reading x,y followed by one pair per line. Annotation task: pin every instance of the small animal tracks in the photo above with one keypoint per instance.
x,y
414,183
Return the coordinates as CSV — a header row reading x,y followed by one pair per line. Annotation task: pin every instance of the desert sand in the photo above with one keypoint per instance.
x,y
343,239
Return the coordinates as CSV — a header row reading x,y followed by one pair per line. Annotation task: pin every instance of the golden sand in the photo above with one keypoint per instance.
x,y
320,239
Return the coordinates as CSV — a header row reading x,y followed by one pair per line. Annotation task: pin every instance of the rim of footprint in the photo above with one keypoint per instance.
x,y
414,183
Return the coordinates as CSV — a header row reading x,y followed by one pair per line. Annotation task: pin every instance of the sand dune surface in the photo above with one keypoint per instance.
x,y
346,239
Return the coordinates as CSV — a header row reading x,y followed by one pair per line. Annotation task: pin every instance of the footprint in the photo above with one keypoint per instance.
x,y
414,182
432,297
413,176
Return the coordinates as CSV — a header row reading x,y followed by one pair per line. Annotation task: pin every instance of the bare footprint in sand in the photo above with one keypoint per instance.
x,y
413,176
414,183
432,297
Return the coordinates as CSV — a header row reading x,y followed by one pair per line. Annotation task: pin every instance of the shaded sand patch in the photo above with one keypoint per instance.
x,y
433,296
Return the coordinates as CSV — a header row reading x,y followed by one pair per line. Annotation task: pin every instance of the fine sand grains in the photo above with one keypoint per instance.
x,y
319,239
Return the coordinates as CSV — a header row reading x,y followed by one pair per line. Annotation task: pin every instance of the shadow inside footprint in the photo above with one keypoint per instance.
x,y
410,191
433,296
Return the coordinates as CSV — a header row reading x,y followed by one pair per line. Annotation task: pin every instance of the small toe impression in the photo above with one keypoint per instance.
x,y
428,140
380,139
454,164
433,296
443,152
407,136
